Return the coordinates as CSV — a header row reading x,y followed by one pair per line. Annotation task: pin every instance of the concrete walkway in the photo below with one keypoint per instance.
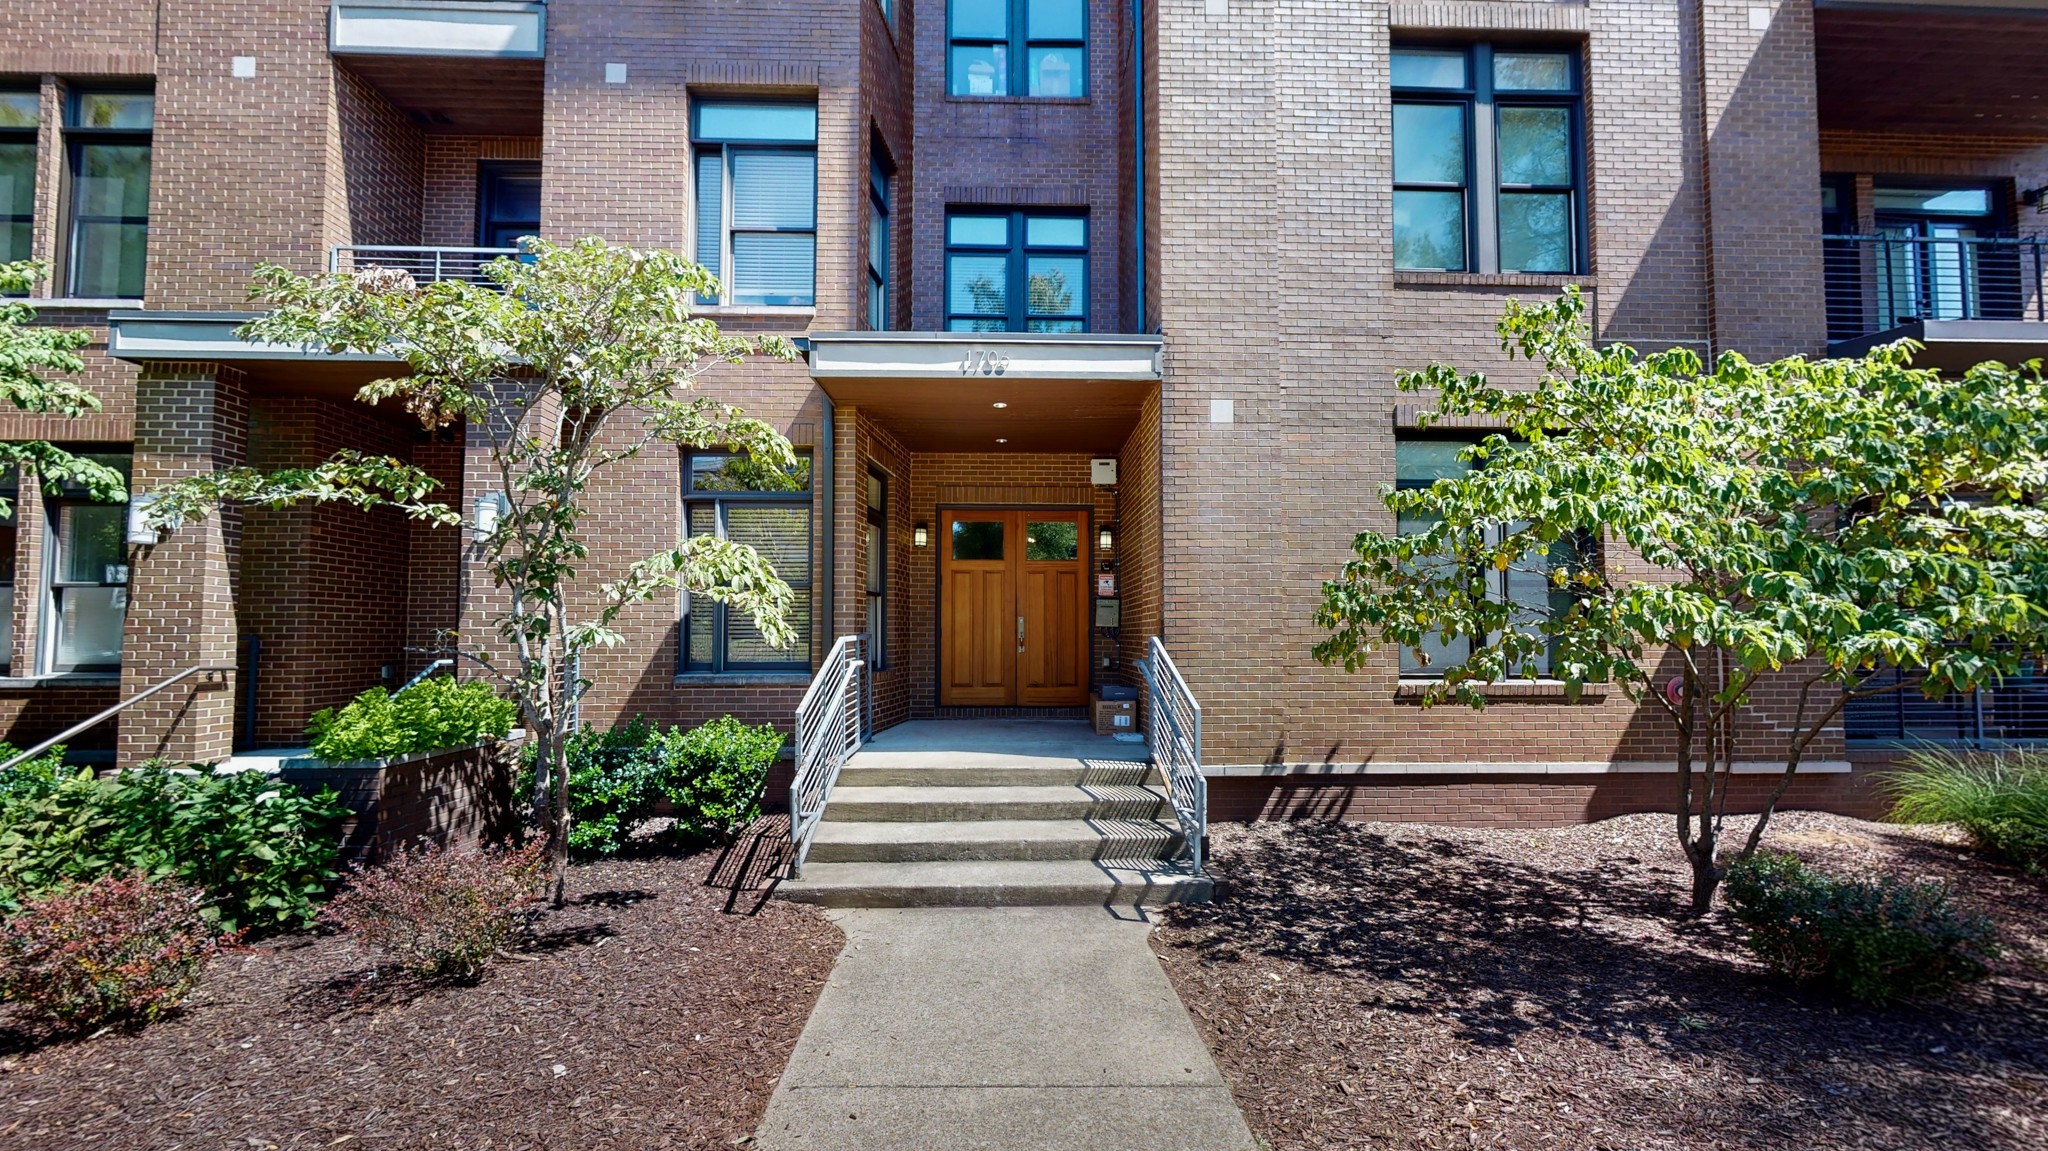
x,y
987,1029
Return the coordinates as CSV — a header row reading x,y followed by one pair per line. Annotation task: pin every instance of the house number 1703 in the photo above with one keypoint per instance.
x,y
984,362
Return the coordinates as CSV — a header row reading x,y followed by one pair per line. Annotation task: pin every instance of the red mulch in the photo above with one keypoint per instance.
x,y
1386,985
657,1010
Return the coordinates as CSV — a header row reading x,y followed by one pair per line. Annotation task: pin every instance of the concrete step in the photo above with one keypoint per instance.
x,y
1045,773
950,804
995,839
1004,883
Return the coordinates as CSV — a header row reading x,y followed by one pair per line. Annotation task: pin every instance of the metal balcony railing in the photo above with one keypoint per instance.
x,y
1879,282
426,265
2015,711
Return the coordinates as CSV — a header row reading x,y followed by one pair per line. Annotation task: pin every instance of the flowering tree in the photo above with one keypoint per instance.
x,y
1856,526
564,362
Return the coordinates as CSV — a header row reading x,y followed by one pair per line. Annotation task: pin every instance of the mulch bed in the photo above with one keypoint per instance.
x,y
656,1010
1388,985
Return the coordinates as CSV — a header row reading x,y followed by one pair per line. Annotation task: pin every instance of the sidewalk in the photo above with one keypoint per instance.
x,y
1034,1028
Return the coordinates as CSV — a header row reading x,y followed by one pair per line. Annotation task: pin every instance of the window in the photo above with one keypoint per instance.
x,y
1017,47
1016,271
508,203
735,498
107,140
1526,584
877,535
1487,164
20,112
87,574
757,200
878,246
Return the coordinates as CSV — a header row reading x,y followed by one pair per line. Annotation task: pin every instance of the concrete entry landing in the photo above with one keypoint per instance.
x,y
987,813
1040,1029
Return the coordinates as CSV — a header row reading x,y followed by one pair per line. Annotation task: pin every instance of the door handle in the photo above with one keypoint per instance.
x,y
1020,634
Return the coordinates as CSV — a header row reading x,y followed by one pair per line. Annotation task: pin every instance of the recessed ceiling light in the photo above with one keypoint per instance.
x,y
1001,440
1001,404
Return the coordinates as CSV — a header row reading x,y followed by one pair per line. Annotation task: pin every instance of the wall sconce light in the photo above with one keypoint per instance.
x,y
1105,539
920,536
141,533
490,508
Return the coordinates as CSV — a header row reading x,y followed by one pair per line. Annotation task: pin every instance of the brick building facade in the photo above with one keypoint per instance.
x,y
1184,238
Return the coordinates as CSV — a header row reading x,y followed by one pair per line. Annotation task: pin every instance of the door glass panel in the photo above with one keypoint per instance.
x,y
977,539
1052,540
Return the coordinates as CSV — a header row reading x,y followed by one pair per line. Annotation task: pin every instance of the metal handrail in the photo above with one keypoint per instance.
x,y
831,724
1874,283
1173,728
425,263
124,705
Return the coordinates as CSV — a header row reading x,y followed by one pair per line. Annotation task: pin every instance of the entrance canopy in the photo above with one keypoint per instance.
x,y
993,391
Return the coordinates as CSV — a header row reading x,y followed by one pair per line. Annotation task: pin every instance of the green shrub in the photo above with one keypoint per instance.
x,y
123,947
430,715
1873,940
612,785
440,913
262,850
2000,799
714,774
32,779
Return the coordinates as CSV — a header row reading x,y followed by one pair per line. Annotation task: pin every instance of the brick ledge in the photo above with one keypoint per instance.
x,y
1510,689
1496,767
1490,280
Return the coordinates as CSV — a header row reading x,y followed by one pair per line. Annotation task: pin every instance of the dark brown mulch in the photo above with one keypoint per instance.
x,y
1384,985
656,1010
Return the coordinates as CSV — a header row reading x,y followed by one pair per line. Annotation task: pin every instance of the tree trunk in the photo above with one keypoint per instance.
x,y
558,848
1706,874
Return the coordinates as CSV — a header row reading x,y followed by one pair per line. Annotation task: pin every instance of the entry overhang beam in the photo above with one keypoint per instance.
x,y
984,355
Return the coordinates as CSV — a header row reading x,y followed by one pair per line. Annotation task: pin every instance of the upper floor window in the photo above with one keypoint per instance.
x,y
20,113
107,143
1016,271
1488,167
508,203
736,498
878,246
1017,47
757,199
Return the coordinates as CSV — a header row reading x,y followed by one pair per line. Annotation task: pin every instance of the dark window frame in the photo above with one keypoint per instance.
x,y
76,139
1482,189
720,501
10,558
877,598
1017,254
55,555
726,147
1587,546
30,136
879,176
488,172
1017,46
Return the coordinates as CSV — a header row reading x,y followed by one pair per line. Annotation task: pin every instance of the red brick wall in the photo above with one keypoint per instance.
x,y
460,800
378,160
450,193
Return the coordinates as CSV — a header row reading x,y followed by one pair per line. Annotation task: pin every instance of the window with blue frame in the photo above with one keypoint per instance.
x,y
878,245
107,137
734,497
20,113
1016,271
1017,48
757,199
1489,170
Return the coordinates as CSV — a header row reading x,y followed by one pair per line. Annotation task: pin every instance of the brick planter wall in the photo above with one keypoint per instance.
x,y
461,798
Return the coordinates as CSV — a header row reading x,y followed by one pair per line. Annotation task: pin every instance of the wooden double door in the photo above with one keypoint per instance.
x,y
1013,608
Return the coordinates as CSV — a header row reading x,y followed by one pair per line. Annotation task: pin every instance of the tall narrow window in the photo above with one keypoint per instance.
x,y
878,246
87,566
735,498
508,203
1016,271
107,140
1525,584
20,112
1017,47
757,200
877,541
1488,168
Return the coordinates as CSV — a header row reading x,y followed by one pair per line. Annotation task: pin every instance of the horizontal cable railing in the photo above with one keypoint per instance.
x,y
2015,711
831,724
1876,283
1173,728
425,265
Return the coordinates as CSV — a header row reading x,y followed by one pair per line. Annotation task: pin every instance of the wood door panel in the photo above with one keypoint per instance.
x,y
980,655
1055,666
981,603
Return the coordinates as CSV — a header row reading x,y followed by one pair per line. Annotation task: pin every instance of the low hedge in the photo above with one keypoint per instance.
x,y
430,715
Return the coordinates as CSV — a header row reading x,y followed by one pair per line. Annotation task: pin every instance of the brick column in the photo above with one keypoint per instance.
x,y
189,419
1763,177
